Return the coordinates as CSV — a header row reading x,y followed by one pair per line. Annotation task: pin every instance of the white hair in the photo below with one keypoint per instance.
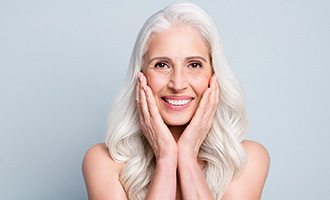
x,y
221,150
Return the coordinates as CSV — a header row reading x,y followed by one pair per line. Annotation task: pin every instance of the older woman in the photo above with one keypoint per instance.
x,y
176,131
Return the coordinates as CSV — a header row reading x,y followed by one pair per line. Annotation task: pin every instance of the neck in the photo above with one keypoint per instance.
x,y
177,131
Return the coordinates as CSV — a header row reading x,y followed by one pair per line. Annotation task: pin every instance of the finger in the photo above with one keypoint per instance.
x,y
196,124
216,98
137,89
203,104
151,102
152,105
143,103
137,98
207,107
143,81
211,99
139,104
218,91
214,93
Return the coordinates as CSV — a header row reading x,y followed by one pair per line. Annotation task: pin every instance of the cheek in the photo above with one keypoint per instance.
x,y
156,83
201,83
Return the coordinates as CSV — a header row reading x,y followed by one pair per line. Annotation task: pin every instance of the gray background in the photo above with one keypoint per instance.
x,y
63,62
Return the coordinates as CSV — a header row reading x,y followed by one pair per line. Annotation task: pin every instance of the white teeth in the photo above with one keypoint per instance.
x,y
177,102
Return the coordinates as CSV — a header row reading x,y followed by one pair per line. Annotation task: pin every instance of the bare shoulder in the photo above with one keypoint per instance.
x,y
98,156
256,152
250,182
101,174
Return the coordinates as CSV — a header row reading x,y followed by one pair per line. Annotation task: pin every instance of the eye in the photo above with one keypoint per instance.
x,y
195,65
161,65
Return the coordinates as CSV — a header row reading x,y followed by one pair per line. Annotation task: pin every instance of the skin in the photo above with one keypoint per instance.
x,y
178,66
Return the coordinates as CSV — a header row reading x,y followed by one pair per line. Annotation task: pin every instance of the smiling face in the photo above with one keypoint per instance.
x,y
178,71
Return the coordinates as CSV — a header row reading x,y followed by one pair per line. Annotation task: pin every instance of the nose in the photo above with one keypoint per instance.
x,y
178,80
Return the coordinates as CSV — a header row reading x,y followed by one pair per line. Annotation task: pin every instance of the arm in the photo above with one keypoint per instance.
x,y
192,180
101,175
163,183
249,184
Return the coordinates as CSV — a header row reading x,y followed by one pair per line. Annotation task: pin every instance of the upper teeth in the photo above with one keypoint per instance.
x,y
177,102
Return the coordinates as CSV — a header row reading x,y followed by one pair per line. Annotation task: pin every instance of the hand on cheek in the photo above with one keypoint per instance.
x,y
151,123
201,123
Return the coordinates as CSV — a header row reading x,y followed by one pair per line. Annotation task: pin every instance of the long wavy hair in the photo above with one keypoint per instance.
x,y
221,150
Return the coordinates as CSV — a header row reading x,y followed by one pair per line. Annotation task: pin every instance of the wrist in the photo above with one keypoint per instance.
x,y
187,152
168,156
168,164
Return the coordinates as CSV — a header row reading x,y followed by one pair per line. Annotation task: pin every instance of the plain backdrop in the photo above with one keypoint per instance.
x,y
62,63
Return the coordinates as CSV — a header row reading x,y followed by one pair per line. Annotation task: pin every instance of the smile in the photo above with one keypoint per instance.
x,y
177,101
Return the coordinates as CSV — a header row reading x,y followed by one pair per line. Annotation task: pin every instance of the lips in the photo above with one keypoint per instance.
x,y
177,101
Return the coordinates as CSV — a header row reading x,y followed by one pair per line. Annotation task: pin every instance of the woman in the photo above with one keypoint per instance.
x,y
176,130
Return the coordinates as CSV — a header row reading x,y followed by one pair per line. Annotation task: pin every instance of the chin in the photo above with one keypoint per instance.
x,y
176,121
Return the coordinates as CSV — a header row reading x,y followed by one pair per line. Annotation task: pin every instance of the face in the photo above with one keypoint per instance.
x,y
178,71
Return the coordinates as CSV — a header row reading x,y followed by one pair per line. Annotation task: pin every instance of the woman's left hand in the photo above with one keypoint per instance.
x,y
195,133
189,166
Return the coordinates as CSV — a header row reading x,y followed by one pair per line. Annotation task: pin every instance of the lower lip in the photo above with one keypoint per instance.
x,y
176,108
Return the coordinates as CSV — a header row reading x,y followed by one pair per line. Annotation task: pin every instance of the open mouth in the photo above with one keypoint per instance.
x,y
177,101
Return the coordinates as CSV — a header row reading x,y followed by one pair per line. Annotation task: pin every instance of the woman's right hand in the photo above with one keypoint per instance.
x,y
152,125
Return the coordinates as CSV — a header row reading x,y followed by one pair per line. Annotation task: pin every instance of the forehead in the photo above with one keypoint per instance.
x,y
177,42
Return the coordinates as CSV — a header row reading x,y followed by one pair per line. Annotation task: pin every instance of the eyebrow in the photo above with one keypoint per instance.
x,y
187,58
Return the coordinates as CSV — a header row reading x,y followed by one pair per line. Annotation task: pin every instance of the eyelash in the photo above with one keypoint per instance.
x,y
165,65
157,65
195,63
